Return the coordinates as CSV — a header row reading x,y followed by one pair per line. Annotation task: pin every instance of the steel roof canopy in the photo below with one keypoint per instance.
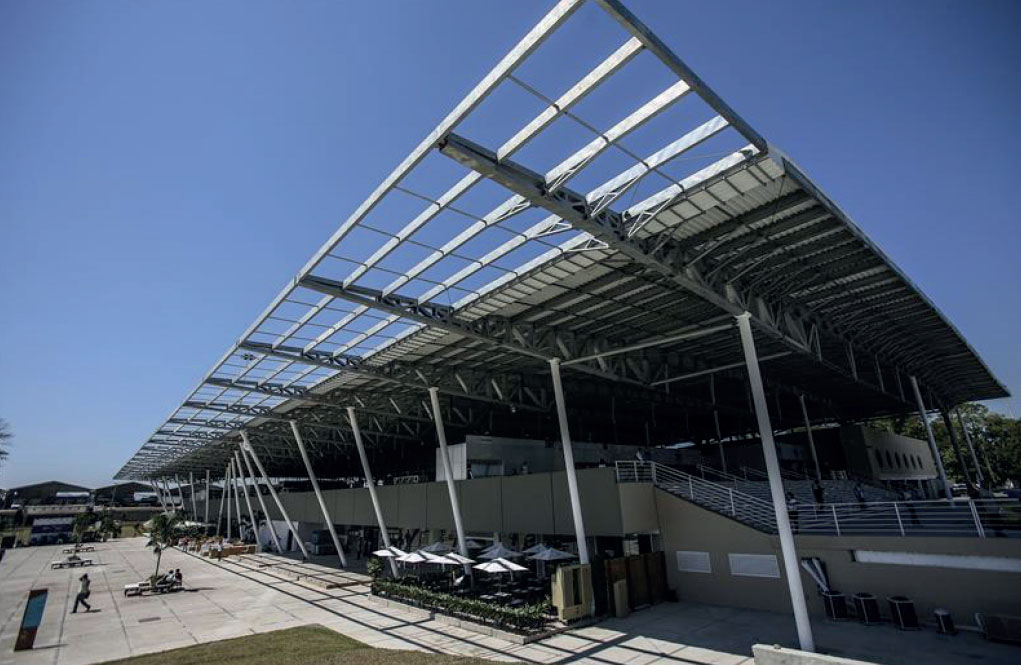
x,y
483,255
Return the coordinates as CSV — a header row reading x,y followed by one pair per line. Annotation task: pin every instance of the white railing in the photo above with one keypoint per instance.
x,y
983,518
709,472
723,500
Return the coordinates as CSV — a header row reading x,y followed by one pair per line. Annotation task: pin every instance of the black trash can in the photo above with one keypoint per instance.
x,y
867,608
902,609
836,605
944,622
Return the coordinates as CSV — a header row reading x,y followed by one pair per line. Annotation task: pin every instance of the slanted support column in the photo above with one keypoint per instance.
x,y
205,519
226,488
262,505
319,494
932,440
180,492
384,534
223,497
169,495
971,451
572,476
716,422
273,493
956,445
811,439
248,501
191,491
787,548
159,494
236,477
455,506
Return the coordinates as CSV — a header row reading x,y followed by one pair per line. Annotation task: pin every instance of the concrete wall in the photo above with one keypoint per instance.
x,y
686,527
864,447
533,503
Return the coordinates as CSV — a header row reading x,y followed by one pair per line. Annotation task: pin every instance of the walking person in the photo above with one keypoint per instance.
x,y
819,493
859,494
792,511
84,589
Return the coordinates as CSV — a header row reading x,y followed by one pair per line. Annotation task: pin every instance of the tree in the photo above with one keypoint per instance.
x,y
162,532
996,437
82,523
108,526
6,435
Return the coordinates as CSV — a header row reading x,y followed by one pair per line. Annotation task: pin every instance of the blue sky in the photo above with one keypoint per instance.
x,y
166,167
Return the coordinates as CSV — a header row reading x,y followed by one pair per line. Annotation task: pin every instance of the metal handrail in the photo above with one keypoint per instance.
x,y
724,475
981,518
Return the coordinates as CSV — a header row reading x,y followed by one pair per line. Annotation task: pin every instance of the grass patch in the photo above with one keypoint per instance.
x,y
305,645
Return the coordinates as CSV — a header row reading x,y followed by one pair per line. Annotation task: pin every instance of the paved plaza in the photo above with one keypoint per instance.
x,y
232,599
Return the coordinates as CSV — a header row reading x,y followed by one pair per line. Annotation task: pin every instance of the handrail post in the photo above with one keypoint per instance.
x,y
691,489
900,524
836,522
978,521
733,509
652,466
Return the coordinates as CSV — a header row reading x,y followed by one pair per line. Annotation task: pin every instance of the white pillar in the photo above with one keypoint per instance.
x,y
180,492
811,439
205,519
248,501
226,488
236,477
272,491
159,495
716,422
223,496
787,548
971,449
455,506
371,483
319,494
572,478
168,495
262,504
191,492
932,440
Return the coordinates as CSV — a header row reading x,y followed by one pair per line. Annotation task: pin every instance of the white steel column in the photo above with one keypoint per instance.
x,y
205,519
716,422
262,504
226,488
971,449
248,501
223,496
371,483
159,495
811,439
272,491
319,494
191,492
572,477
180,492
783,525
236,477
932,440
455,505
168,495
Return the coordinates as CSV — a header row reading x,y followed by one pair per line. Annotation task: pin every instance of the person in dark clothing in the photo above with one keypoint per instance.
x,y
84,589
792,511
819,493
859,494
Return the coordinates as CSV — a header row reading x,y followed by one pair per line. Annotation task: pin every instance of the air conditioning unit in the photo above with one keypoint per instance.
x,y
1000,628
572,592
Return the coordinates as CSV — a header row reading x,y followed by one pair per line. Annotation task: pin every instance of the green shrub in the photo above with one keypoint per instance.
x,y
528,619
374,567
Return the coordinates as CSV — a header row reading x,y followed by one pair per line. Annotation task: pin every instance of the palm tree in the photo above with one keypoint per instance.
x,y
108,525
162,531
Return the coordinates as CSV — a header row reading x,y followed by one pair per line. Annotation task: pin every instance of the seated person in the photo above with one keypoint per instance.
x,y
169,577
179,578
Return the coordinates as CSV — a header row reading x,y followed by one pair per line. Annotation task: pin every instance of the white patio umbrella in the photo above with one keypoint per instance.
x,y
499,566
436,558
535,549
499,551
552,554
458,558
414,557
435,548
389,552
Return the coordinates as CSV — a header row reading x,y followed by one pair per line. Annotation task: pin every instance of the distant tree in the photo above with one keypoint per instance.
x,y
6,435
997,440
82,523
108,526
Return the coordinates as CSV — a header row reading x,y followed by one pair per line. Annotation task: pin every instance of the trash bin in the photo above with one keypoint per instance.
x,y
867,608
944,622
836,605
902,609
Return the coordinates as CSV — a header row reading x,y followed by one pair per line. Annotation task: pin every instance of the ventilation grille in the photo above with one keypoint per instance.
x,y
754,565
693,562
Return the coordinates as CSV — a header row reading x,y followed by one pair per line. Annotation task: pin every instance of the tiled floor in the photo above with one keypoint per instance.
x,y
231,599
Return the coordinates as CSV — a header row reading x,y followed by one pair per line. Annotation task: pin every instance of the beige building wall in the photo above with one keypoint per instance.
x,y
685,527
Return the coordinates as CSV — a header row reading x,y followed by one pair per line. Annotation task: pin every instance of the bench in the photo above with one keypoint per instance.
x,y
70,563
140,588
75,550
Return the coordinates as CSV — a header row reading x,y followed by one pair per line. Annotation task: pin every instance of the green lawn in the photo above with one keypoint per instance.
x,y
306,645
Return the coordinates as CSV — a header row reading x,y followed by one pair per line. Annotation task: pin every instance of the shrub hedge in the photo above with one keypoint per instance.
x,y
527,619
